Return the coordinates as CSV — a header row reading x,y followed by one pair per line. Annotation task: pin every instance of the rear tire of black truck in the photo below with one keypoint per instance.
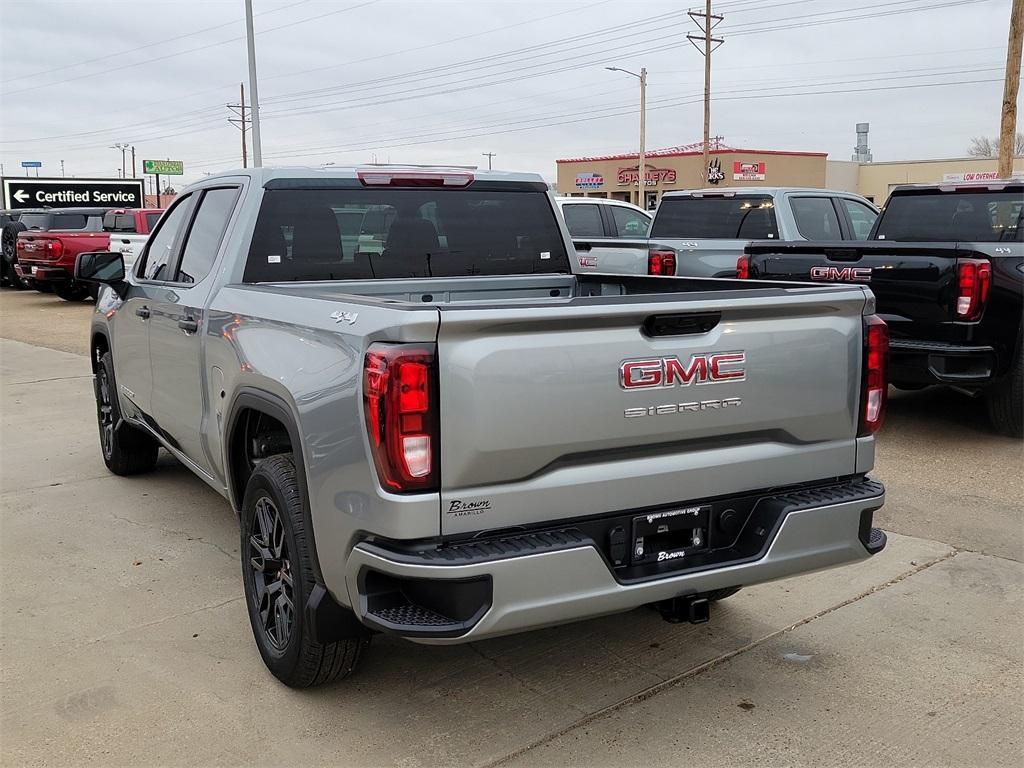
x,y
277,572
1006,400
9,253
127,450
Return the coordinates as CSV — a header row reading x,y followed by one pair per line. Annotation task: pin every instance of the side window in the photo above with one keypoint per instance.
x,y
629,223
862,218
164,242
151,220
205,235
124,223
583,220
816,218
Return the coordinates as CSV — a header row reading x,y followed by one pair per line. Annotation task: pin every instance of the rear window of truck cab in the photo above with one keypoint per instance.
x,y
63,221
716,217
352,233
982,216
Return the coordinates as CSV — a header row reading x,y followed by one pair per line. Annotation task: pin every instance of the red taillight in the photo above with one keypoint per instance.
x,y
55,248
661,262
403,178
974,277
400,402
20,244
743,267
876,374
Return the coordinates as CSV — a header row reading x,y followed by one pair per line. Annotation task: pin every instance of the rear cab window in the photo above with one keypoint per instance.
x,y
714,217
982,215
356,233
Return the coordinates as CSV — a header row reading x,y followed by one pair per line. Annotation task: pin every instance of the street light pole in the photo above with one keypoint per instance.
x,y
124,148
254,109
641,167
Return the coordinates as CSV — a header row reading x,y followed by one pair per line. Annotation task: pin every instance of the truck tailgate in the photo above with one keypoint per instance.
x,y
547,412
914,283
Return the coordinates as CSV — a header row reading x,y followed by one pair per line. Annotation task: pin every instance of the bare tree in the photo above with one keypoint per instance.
x,y
983,146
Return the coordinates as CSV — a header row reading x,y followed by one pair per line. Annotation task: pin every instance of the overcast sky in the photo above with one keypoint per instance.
x,y
419,81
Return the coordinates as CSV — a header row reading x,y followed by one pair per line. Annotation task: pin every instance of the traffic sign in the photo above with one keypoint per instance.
x,y
163,167
72,193
31,164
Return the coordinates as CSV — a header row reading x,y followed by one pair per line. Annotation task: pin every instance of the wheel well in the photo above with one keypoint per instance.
x,y
100,346
255,436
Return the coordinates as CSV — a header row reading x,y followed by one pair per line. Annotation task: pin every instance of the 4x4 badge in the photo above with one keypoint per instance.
x,y
346,317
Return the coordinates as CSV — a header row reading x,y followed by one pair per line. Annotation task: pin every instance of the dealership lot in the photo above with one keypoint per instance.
x,y
126,641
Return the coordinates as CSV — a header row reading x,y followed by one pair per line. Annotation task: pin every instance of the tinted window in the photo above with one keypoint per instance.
x,y
164,243
35,220
861,216
630,223
424,232
204,237
983,216
583,220
151,220
725,218
69,221
816,219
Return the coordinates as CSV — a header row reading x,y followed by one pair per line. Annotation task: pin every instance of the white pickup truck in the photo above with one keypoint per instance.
x,y
129,229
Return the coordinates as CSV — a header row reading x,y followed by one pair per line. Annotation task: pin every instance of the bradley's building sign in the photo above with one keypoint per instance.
x,y
652,177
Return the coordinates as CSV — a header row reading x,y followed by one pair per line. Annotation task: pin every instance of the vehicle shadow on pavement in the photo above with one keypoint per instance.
x,y
936,409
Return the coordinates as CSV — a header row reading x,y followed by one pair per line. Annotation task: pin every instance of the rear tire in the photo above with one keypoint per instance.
x,y
1006,400
127,450
9,252
277,572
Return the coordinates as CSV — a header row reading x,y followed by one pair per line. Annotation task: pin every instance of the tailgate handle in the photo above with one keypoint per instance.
x,y
842,254
680,325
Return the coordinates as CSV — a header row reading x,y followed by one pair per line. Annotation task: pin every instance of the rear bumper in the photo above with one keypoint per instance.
x,y
41,271
483,589
938,362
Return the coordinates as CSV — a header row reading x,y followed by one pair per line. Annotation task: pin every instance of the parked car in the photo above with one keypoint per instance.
x,y
946,265
9,229
48,257
129,229
606,441
701,233
608,235
44,220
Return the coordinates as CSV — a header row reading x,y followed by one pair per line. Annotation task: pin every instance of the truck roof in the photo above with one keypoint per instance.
x,y
263,175
766,191
1001,185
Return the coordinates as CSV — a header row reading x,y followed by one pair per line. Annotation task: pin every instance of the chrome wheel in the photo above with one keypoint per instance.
x,y
271,573
105,413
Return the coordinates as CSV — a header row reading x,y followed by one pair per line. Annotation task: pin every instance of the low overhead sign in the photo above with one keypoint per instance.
x,y
163,167
72,193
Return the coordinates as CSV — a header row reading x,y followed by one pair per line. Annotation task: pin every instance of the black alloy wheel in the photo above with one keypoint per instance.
x,y
105,413
271,572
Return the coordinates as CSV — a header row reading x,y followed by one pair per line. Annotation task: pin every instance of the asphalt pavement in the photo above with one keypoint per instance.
x,y
124,638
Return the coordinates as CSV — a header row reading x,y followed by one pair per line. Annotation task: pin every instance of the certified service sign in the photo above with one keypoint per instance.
x,y
589,180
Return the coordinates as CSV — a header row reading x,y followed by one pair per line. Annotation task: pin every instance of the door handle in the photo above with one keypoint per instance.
x,y
143,312
188,324
582,246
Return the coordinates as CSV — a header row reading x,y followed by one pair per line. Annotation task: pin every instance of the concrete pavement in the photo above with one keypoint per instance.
x,y
124,638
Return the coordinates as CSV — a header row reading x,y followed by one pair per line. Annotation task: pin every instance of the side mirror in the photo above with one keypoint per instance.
x,y
100,267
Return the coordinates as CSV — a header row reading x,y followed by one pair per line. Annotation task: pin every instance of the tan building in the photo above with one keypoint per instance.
x,y
616,176
875,180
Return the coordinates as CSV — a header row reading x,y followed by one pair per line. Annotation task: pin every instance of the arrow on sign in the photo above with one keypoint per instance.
x,y
21,195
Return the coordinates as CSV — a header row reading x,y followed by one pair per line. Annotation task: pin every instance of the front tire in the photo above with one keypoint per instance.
x,y
127,450
1005,400
277,573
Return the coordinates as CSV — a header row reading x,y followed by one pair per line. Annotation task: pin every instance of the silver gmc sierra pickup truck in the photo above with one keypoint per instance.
x,y
430,424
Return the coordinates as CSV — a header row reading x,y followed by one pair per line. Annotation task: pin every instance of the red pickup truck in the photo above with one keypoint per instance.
x,y
47,258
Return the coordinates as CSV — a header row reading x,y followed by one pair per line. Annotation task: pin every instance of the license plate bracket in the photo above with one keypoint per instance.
x,y
670,535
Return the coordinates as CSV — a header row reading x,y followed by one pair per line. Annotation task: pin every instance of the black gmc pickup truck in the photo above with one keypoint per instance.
x,y
946,265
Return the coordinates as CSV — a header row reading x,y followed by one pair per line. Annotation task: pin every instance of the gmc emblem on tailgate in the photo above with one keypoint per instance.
x,y
661,372
842,274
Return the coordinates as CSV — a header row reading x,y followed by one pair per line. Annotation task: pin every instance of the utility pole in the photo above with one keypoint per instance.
x,y
124,148
257,149
489,155
1008,126
62,169
241,121
706,23
133,162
